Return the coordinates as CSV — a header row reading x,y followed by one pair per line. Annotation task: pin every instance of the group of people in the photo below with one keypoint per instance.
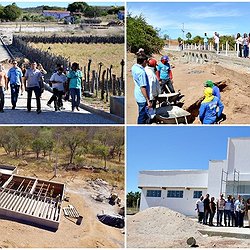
x,y
231,211
151,79
243,44
31,79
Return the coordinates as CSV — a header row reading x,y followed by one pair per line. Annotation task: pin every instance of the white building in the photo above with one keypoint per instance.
x,y
180,189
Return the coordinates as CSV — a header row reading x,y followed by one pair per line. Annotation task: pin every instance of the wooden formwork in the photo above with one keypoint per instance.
x,y
4,169
31,200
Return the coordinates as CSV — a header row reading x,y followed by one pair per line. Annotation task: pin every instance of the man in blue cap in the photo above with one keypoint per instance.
x,y
164,75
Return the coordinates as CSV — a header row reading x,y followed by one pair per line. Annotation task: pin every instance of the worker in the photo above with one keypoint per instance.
x,y
216,90
165,76
155,88
208,113
142,89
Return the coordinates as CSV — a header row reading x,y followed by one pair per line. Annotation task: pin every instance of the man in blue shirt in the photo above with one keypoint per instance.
x,y
142,88
15,80
208,110
216,90
164,75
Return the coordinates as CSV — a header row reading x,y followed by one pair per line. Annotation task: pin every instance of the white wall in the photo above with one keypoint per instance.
x,y
239,155
175,178
214,177
185,205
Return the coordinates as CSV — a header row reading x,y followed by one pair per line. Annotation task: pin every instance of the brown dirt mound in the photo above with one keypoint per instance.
x,y
160,227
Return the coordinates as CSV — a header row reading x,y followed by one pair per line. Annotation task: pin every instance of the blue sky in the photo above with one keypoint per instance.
x,y
59,4
227,18
176,147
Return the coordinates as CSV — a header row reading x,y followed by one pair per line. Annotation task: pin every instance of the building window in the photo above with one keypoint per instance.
x,y
197,194
175,194
153,193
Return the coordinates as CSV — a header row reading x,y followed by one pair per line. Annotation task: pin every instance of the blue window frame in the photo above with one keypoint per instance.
x,y
153,193
197,194
175,194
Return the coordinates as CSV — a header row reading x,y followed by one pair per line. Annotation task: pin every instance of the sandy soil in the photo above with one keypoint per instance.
x,y
91,233
163,228
189,78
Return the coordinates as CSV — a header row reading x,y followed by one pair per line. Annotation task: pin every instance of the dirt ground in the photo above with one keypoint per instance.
x,y
90,234
161,227
189,78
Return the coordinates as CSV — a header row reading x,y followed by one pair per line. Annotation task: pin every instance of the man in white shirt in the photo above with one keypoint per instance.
x,y
200,209
154,85
58,81
216,41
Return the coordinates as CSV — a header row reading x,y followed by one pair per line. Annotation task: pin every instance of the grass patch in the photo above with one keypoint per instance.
x,y
108,54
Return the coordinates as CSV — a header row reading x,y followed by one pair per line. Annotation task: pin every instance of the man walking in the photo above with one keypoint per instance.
x,y
15,80
142,88
3,86
33,81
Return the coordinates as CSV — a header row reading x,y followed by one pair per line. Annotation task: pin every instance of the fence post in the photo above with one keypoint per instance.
x,y
103,85
226,47
88,74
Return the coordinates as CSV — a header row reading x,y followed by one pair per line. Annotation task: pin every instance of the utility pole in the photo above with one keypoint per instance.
x,y
183,35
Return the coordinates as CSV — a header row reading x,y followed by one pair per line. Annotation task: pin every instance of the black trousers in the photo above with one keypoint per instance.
x,y
56,98
1,98
37,91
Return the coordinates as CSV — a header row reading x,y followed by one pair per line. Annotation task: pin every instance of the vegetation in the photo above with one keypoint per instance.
x,y
75,142
142,35
10,12
133,202
106,53
199,40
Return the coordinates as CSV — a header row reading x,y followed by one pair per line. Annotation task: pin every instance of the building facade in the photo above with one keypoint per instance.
x,y
180,189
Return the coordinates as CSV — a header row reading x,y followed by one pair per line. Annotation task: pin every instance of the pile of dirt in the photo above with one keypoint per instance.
x,y
160,227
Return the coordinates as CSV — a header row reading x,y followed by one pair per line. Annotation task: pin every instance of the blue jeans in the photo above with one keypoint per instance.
x,y
219,217
227,214
75,96
142,118
14,88
246,51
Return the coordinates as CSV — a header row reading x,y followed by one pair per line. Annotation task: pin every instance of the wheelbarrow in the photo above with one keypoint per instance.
x,y
170,98
171,115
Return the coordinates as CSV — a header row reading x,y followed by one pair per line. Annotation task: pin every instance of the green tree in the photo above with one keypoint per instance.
x,y
142,35
188,36
11,12
133,199
74,140
77,7
102,151
37,146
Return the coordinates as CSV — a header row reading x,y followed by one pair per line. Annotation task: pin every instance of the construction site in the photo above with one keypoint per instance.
x,y
167,212
31,200
191,68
